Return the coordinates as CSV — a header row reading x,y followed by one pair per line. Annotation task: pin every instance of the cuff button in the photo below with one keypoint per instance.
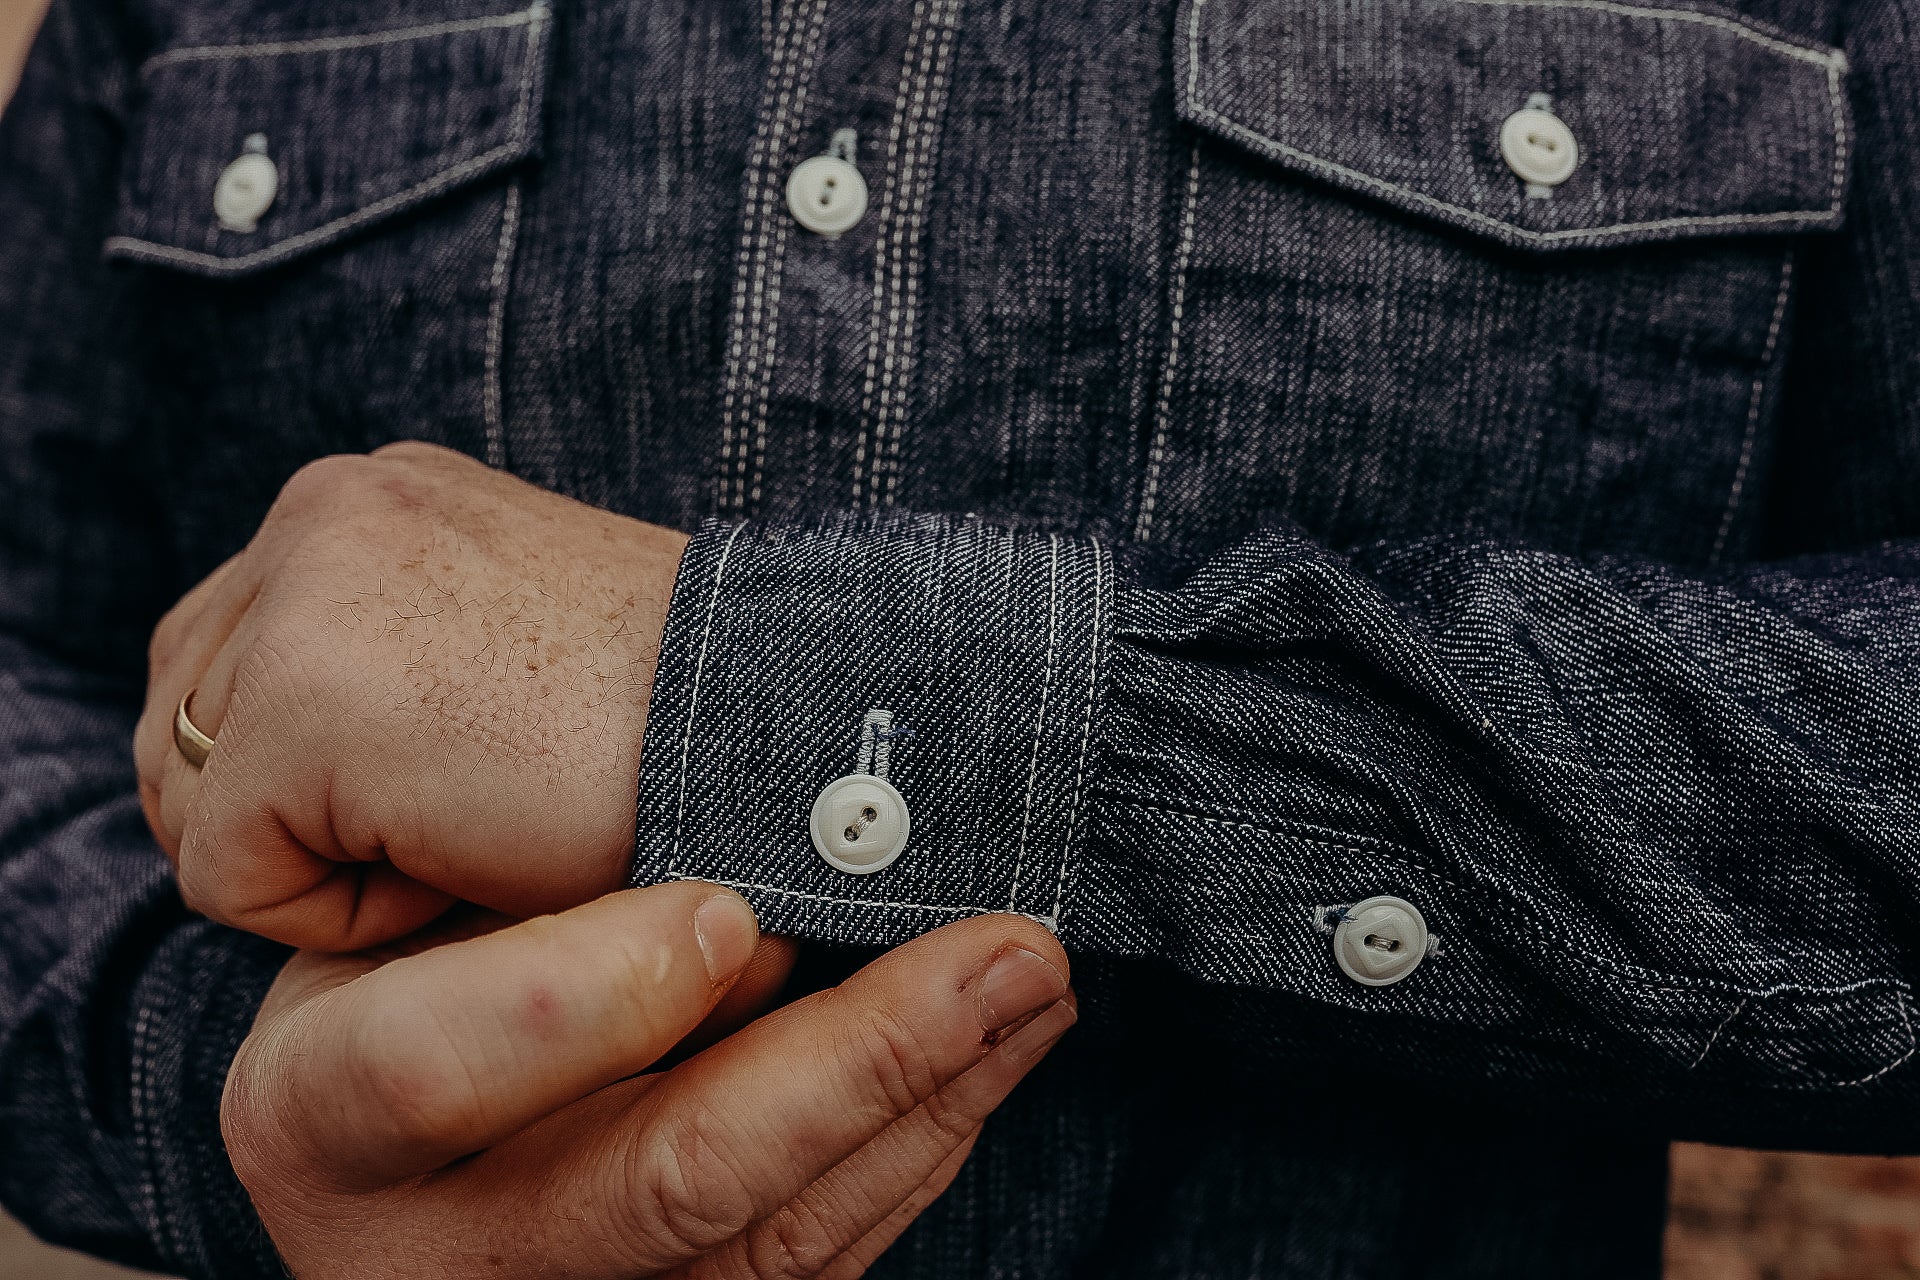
x,y
859,824
1380,941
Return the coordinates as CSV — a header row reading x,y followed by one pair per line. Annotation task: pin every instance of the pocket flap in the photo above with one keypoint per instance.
x,y
357,127
1687,123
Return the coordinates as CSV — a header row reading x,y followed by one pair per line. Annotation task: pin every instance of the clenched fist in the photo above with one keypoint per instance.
x,y
427,681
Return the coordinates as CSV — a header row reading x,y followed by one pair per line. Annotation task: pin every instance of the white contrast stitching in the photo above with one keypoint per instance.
x,y
1907,1021
1725,1022
517,133
1163,403
1790,218
493,400
743,313
1754,399
330,44
149,250
894,391
1806,53
794,59
903,98
1840,139
1619,969
855,902
896,273
1086,737
753,464
143,1137
693,697
1040,718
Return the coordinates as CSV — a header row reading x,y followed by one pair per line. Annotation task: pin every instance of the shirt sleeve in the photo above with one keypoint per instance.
x,y
119,1013
1650,834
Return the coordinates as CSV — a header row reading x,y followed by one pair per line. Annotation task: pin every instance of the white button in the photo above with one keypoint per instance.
x,y
859,823
1381,941
826,194
245,192
1539,147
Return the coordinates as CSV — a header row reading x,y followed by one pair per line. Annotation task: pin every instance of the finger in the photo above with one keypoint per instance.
x,y
184,645
742,1130
437,1055
249,871
813,1233
242,864
731,1260
751,995
867,1250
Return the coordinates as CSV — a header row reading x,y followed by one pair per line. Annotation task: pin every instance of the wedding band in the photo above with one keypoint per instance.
x,y
194,745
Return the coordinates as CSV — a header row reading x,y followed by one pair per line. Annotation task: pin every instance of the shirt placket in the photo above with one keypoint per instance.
x,y
822,324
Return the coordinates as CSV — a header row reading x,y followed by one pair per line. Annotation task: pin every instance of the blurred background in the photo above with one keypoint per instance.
x,y
1735,1215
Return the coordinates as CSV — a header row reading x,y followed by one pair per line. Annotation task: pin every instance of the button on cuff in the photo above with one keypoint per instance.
x,y
860,824
1380,941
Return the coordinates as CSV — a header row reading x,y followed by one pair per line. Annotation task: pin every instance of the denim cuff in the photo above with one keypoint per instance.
x,y
194,1005
981,647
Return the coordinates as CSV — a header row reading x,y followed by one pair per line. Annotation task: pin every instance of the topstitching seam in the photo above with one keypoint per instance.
x,y
331,44
1754,400
1040,717
1086,737
517,133
894,392
693,697
1163,402
1835,64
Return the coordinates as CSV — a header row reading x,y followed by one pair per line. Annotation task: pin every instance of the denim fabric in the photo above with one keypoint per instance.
x,y
1251,496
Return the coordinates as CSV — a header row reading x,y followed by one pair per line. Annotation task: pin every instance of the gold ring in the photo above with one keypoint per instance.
x,y
194,745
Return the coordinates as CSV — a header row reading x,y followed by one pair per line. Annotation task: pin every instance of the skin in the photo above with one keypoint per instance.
x,y
473,1109
428,682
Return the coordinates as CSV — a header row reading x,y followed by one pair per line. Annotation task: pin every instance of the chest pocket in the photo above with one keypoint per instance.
x,y
1406,292
249,155
319,227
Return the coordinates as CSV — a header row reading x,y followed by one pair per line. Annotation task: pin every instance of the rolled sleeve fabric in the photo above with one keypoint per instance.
x,y
1659,820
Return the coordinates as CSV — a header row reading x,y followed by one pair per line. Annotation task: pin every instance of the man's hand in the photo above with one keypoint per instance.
x,y
474,1109
428,681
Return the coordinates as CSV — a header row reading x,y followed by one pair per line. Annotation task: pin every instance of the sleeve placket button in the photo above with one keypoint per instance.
x,y
1380,941
859,824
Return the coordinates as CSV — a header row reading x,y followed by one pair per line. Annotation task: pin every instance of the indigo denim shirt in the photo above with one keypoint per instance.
x,y
1248,491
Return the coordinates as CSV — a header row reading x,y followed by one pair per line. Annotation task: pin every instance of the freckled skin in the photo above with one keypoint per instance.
x,y
463,663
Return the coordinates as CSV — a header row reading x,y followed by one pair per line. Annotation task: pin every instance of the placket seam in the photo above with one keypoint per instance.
x,y
919,105
753,320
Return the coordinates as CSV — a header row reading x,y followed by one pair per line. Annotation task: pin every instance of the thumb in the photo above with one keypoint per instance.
x,y
438,1055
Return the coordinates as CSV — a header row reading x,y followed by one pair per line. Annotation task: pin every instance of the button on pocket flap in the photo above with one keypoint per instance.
x,y
245,155
1541,123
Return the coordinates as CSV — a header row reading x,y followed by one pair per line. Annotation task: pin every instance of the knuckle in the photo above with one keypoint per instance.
x,y
685,1190
321,483
795,1243
950,1123
199,887
164,644
897,1059
416,451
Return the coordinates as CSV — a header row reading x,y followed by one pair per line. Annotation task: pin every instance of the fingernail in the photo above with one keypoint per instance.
x,y
1018,983
727,933
1030,1042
